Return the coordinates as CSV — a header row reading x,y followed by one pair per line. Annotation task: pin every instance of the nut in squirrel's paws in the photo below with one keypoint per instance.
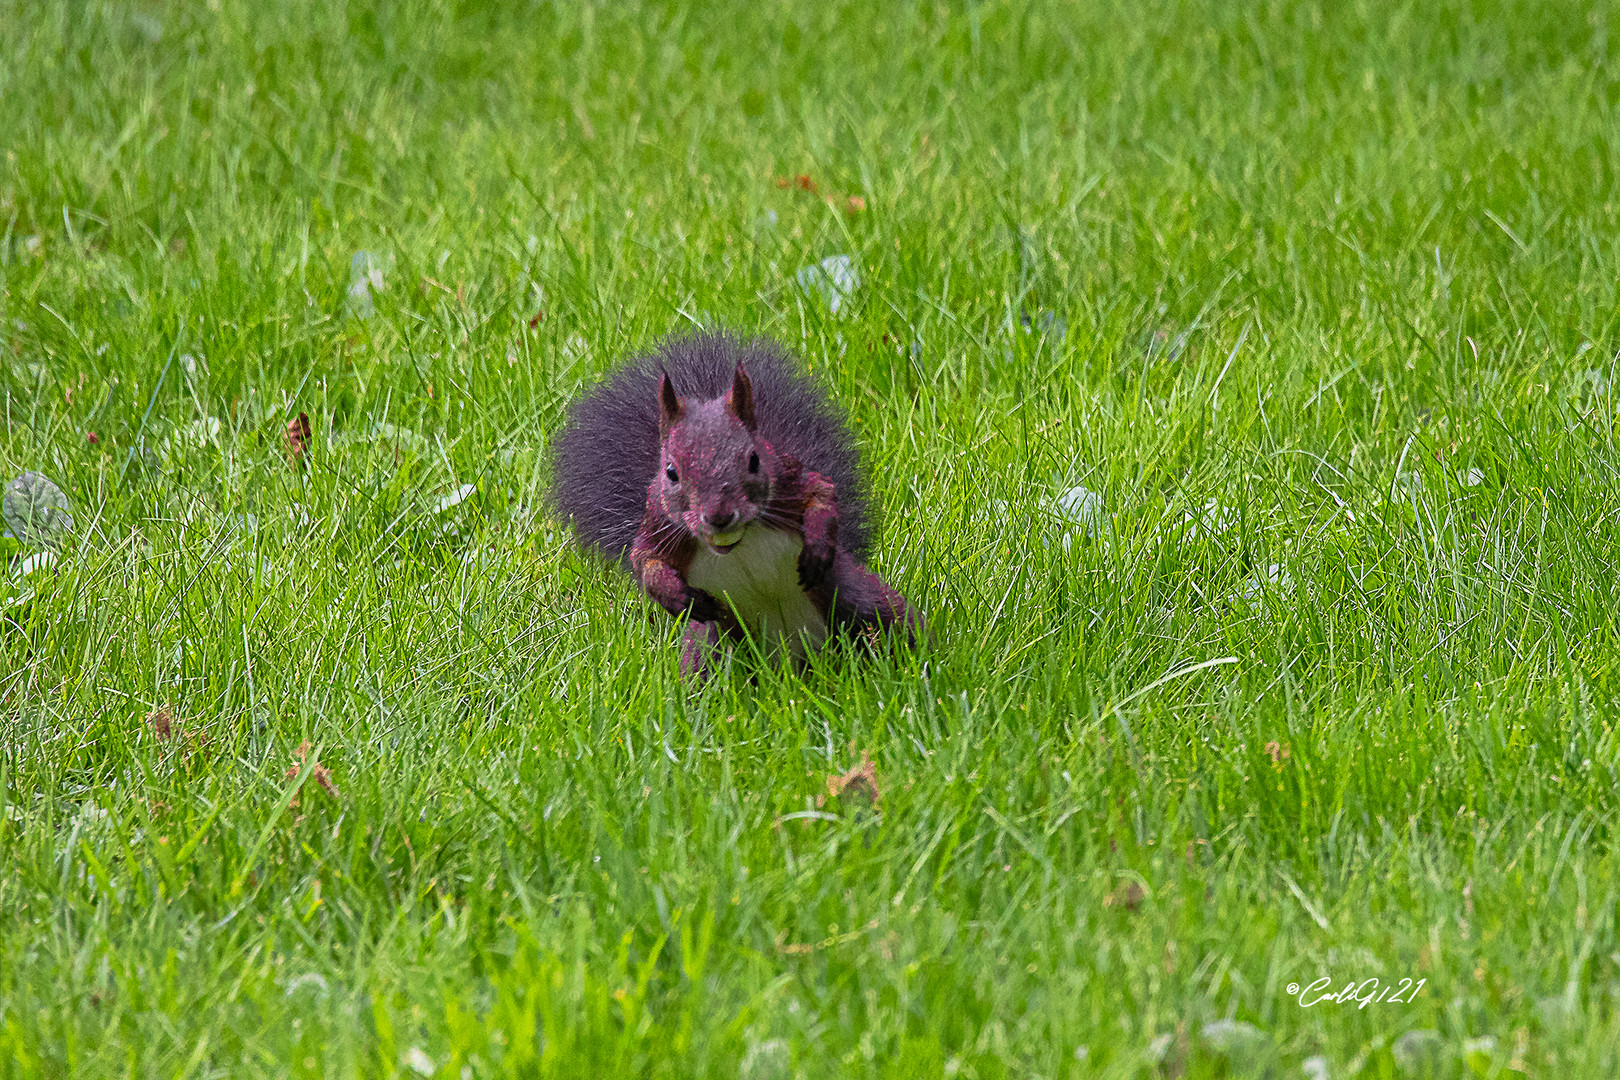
x,y
722,542
814,562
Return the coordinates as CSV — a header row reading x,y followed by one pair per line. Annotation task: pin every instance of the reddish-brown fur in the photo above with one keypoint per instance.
x,y
726,459
709,446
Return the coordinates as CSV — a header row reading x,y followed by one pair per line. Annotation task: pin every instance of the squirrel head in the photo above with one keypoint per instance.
x,y
715,473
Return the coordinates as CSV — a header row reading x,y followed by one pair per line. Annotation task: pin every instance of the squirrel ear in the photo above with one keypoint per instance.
x,y
741,399
670,408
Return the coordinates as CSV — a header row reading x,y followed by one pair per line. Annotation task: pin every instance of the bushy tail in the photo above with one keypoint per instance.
x,y
606,452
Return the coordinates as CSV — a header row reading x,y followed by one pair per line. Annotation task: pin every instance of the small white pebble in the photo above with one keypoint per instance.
x,y
833,280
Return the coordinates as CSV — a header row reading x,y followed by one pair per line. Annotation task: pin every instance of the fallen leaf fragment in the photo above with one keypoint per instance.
x,y
298,435
318,772
1127,895
174,736
860,782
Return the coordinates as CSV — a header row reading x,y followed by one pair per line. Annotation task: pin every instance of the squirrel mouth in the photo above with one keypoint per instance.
x,y
722,542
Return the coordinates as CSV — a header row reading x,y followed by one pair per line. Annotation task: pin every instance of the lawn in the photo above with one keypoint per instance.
x,y
1236,381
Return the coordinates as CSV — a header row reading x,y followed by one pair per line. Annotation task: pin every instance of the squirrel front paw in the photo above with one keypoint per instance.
x,y
815,560
702,606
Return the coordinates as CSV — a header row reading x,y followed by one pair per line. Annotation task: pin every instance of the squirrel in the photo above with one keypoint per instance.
x,y
727,483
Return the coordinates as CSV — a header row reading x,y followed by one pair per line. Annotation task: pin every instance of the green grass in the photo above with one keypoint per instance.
x,y
1339,293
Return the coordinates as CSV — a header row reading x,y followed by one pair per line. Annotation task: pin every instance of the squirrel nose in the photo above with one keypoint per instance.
x,y
720,521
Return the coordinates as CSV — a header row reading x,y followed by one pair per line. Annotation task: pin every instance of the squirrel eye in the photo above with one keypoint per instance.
x,y
753,463
673,477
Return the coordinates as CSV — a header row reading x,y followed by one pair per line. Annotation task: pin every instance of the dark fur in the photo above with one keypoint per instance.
x,y
607,450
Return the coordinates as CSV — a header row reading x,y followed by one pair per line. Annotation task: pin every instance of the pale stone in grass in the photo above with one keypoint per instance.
x,y
241,524
1029,255
199,433
1229,1035
1082,506
385,432
39,560
92,818
1212,519
1553,1011
360,301
455,498
1416,1048
1315,1067
834,280
1278,577
1594,379
419,1061
766,1059
366,276
35,510
1082,509
150,27
308,978
382,434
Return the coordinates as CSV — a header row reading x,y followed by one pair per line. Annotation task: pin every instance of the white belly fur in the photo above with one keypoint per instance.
x,y
759,578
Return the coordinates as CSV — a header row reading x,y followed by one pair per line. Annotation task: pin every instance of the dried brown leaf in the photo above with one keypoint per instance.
x,y
1127,895
318,772
860,781
323,777
298,436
